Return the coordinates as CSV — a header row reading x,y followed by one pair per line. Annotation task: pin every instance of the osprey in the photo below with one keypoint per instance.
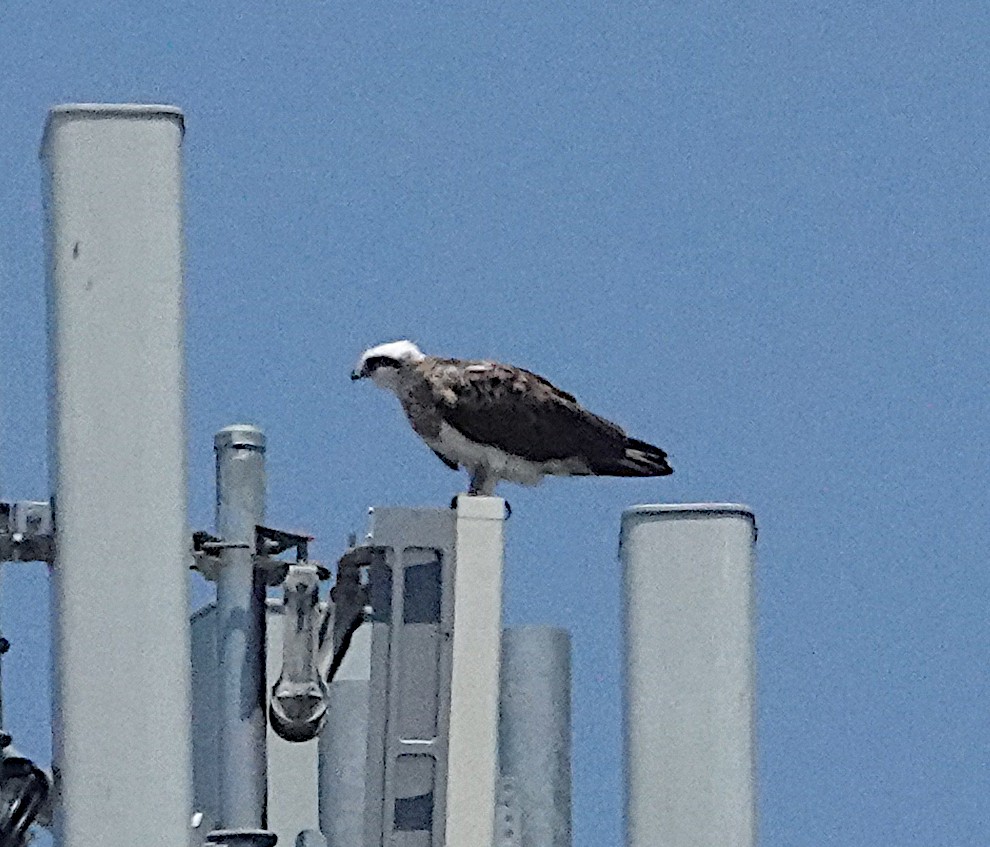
x,y
502,422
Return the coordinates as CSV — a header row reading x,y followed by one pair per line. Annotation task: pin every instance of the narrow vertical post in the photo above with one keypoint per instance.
x,y
240,458
4,646
689,675
535,731
476,659
117,458
343,745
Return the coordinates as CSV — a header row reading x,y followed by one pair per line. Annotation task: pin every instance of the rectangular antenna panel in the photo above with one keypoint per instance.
x,y
411,594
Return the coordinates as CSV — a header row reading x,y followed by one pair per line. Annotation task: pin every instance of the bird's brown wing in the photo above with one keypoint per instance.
x,y
521,413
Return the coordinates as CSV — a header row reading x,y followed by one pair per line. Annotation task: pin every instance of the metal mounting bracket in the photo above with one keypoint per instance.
x,y
269,543
27,531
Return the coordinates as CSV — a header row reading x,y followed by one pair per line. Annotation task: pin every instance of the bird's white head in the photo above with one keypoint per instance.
x,y
385,363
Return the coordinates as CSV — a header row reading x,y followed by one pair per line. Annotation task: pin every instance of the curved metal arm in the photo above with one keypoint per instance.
x,y
24,793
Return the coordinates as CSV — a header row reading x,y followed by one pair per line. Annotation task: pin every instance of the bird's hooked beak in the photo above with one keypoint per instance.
x,y
360,371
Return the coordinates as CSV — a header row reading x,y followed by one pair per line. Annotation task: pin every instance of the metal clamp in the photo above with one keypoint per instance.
x,y
25,798
268,544
27,531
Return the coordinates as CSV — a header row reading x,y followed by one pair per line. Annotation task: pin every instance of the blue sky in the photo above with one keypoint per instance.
x,y
754,233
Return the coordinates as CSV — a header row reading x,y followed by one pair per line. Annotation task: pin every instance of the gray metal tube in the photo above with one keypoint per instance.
x,y
343,753
535,730
689,675
240,455
117,457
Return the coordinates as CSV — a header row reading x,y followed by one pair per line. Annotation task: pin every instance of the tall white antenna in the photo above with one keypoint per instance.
x,y
117,452
689,675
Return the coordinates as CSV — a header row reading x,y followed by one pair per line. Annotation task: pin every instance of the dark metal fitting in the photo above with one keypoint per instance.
x,y
242,838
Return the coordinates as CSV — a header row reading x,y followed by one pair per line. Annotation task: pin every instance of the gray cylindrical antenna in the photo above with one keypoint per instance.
x,y
689,675
535,731
240,457
113,187
342,763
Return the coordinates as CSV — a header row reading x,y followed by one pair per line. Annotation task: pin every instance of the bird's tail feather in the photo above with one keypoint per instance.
x,y
638,459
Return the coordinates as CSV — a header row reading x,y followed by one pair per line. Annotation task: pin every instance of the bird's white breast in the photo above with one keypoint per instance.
x,y
472,454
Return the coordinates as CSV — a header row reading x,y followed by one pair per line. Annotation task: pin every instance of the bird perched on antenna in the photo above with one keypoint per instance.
x,y
501,422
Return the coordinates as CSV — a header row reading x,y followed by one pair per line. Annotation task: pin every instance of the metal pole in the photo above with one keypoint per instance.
x,y
689,675
240,456
117,458
535,730
343,751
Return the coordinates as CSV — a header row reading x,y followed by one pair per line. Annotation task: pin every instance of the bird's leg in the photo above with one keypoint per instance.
x,y
482,482
474,487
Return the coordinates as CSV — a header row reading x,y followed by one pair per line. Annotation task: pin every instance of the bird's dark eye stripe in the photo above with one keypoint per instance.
x,y
376,362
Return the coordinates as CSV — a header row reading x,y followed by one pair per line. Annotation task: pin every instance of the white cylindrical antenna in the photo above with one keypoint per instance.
x,y
689,675
113,186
